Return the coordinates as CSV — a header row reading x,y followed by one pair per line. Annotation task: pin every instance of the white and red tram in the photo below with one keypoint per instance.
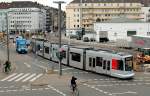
x,y
101,61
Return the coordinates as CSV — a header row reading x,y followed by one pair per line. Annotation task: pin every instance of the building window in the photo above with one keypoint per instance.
x,y
148,33
77,20
78,26
74,25
130,33
75,57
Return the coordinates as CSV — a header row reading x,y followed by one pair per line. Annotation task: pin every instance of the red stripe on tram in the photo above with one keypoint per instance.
x,y
114,64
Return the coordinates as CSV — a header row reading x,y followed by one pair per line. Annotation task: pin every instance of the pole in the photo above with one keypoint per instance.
x,y
59,30
7,37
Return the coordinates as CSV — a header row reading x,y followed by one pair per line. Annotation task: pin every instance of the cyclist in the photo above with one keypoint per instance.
x,y
7,66
73,83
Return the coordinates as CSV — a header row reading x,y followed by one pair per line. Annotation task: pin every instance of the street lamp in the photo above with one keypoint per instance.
x,y
7,38
59,30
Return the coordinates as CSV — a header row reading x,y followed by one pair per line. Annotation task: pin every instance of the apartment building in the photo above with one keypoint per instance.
x,y
83,13
27,19
3,11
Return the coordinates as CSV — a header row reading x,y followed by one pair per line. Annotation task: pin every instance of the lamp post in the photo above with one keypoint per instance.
x,y
7,38
59,30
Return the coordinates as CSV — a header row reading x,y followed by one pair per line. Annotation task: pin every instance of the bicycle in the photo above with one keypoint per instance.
x,y
75,91
7,70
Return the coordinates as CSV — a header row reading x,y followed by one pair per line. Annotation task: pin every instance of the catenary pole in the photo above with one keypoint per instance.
x,y
59,30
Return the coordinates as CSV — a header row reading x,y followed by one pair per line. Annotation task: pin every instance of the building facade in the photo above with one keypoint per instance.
x,y
122,29
27,19
3,24
146,14
83,13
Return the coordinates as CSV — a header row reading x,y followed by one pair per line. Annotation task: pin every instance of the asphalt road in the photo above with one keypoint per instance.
x,y
30,67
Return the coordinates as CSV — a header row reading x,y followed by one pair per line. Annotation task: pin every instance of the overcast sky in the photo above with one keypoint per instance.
x,y
44,2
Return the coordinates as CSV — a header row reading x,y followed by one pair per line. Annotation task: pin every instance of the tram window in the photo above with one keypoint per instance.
x,y
128,63
120,65
76,56
47,50
108,65
38,47
63,54
93,62
99,61
104,64
90,62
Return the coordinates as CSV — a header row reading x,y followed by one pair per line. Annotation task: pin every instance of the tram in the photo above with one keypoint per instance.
x,y
108,62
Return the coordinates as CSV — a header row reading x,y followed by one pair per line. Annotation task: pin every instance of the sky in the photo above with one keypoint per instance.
x,y
44,2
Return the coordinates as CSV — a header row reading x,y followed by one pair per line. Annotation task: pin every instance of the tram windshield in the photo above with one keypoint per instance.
x,y
128,64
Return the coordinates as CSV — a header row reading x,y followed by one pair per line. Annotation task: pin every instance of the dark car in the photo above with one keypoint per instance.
x,y
86,39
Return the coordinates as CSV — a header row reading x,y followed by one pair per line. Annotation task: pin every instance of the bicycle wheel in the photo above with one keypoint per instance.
x,y
76,92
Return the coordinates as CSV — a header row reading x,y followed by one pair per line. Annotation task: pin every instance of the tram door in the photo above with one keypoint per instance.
x,y
92,64
106,66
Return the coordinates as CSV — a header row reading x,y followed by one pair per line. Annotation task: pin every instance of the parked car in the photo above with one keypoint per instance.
x,y
92,39
86,39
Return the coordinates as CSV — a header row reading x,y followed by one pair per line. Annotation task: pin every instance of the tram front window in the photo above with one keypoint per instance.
x,y
128,64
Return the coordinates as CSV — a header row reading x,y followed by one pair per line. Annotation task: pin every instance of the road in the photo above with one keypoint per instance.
x,y
30,68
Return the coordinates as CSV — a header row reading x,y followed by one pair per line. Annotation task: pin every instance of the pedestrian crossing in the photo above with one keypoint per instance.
x,y
22,77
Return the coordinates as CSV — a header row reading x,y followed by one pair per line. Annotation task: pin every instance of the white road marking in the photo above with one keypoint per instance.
x,y
22,77
65,69
91,86
29,77
36,77
15,77
29,66
9,77
129,92
57,90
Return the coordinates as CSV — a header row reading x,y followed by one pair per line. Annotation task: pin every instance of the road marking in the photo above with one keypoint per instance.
x,y
29,77
9,77
38,76
65,69
54,89
43,67
93,87
29,66
129,92
22,77
15,77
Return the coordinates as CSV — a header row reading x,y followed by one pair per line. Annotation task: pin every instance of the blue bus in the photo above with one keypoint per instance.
x,y
21,46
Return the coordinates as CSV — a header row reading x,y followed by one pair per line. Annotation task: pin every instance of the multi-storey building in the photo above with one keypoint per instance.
x,y
146,14
27,15
3,13
83,13
23,19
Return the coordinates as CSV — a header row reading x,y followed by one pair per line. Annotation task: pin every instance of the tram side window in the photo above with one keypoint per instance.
x,y
120,64
93,62
90,62
64,54
104,64
47,50
76,57
99,61
108,65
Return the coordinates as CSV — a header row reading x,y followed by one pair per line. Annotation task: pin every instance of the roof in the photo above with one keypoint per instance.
x,y
4,5
106,1
22,4
123,20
